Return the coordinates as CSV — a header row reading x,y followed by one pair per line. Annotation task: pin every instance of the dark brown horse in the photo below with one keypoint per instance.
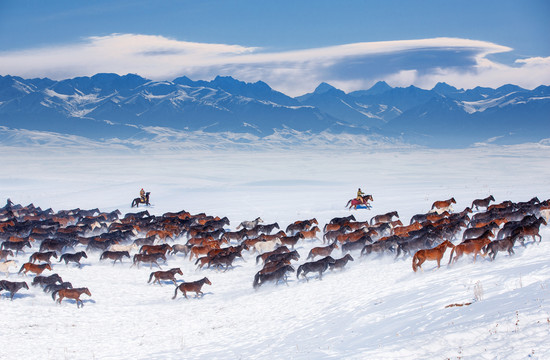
x,y
430,254
194,286
114,255
340,263
477,203
46,280
43,256
76,257
276,275
322,250
529,230
291,240
165,275
34,268
506,244
319,266
71,294
149,258
15,245
5,253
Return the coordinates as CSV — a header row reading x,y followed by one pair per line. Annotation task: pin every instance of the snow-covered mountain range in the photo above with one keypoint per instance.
x,y
107,106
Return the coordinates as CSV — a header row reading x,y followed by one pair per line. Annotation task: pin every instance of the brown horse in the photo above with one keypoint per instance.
x,y
340,263
194,286
430,254
322,250
165,275
155,249
43,256
529,230
443,205
310,234
114,255
482,202
71,294
34,268
150,258
471,246
384,218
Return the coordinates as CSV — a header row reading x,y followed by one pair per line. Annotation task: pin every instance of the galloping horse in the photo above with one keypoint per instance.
x,y
151,259
249,224
165,275
468,247
354,202
138,200
482,202
15,245
71,294
194,286
12,287
46,280
73,257
5,253
275,275
430,254
340,263
37,269
43,256
529,230
384,218
322,250
114,255
319,266
506,244
443,205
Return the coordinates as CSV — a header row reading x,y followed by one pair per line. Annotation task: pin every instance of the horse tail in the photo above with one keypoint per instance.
x,y
175,293
258,258
325,228
239,226
22,268
256,282
150,277
347,204
196,262
414,262
54,293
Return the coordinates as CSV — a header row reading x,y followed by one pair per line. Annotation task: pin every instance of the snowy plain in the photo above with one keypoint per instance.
x,y
376,308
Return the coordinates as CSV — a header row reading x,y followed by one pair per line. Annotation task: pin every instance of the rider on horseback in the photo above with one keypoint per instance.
x,y
142,195
360,196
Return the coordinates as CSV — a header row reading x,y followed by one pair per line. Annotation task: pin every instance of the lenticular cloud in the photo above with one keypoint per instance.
x,y
424,62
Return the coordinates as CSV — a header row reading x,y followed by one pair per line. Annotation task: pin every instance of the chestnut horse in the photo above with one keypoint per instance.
x,y
194,286
384,218
71,294
471,246
165,275
430,254
34,268
322,250
310,234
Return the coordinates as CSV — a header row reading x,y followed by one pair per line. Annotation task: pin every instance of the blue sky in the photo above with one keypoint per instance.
x,y
292,45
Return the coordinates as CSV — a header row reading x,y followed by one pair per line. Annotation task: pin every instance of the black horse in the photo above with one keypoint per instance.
x,y
12,287
46,280
277,275
57,287
15,245
139,200
319,266
114,255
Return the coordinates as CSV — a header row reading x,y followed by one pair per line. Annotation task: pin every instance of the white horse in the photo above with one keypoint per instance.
x,y
5,266
250,224
119,247
265,246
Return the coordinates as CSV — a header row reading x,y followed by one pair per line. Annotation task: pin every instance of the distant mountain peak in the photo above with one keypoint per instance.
x,y
324,88
379,88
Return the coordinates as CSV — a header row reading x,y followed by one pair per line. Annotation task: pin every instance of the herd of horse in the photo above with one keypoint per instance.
x,y
483,229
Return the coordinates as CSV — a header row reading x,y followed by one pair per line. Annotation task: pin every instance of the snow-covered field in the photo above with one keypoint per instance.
x,y
376,308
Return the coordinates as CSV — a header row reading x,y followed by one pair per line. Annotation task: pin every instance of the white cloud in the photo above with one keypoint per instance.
x,y
424,62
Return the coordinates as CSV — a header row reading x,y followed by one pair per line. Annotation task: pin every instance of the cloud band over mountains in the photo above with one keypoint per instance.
x,y
459,62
